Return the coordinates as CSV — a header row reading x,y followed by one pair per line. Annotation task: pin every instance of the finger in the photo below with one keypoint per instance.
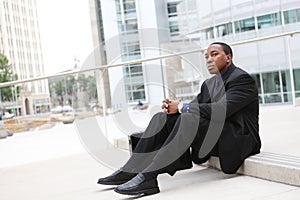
x,y
168,100
164,105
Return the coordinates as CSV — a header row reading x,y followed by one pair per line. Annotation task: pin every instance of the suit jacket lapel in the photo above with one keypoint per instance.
x,y
220,91
217,89
208,94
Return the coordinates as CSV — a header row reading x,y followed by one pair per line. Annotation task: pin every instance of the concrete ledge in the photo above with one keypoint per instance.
x,y
269,166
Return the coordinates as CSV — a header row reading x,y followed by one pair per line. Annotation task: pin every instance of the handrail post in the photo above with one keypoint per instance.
x,y
290,63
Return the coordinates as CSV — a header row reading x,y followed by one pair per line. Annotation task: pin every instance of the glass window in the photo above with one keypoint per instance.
x,y
297,79
173,25
288,97
172,9
271,82
298,15
224,29
138,87
139,95
118,7
272,98
244,25
133,94
131,24
270,20
131,48
134,82
133,70
208,34
136,68
290,16
120,26
129,6
286,81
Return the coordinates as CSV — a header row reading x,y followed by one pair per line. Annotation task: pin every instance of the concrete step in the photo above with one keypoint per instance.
x,y
270,166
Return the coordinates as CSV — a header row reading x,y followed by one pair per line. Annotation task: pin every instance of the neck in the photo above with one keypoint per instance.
x,y
223,70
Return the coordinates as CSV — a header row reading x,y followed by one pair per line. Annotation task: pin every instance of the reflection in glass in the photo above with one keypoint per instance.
x,y
272,98
291,16
271,82
224,29
288,97
172,9
286,81
269,20
286,86
134,82
244,25
173,26
208,34
296,79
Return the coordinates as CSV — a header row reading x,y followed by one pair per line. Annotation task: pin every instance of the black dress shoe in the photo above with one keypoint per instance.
x,y
138,186
117,178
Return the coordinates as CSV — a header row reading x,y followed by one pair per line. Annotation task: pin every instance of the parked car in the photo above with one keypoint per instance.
x,y
57,109
62,109
8,115
67,108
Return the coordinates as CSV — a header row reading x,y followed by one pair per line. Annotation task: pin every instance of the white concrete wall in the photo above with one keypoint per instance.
x,y
113,53
153,30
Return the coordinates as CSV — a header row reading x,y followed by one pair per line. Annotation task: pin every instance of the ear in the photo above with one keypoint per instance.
x,y
229,58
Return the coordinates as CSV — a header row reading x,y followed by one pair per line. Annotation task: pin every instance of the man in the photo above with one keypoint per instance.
x,y
221,121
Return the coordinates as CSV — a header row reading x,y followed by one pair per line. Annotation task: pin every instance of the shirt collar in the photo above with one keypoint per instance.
x,y
228,71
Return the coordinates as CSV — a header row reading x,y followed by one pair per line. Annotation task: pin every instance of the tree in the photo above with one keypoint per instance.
x,y
6,75
65,89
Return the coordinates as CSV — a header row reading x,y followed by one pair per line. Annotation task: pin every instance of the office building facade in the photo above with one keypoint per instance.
x,y
272,62
128,30
20,43
137,29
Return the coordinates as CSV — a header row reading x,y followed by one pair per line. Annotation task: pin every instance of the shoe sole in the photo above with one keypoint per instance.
x,y
150,191
112,183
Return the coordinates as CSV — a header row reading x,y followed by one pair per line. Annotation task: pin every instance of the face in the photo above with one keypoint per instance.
x,y
216,59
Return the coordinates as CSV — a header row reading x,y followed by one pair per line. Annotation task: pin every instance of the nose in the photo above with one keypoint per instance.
x,y
208,59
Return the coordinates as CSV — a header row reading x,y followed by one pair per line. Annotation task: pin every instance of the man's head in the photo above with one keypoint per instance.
x,y
218,57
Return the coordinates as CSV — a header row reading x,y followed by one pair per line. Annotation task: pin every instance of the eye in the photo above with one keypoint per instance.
x,y
214,54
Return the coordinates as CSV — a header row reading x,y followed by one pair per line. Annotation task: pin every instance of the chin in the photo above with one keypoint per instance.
x,y
212,72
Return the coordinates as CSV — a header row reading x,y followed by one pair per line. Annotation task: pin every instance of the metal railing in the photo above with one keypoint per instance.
x,y
102,67
288,35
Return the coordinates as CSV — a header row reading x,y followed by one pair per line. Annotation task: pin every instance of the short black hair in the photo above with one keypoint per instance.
x,y
227,49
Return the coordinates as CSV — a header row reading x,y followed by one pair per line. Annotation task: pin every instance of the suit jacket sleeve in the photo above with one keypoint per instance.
x,y
239,92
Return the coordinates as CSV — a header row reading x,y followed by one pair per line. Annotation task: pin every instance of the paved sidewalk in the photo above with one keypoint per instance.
x,y
52,164
74,178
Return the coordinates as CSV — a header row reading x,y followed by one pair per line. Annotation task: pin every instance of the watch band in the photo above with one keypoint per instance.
x,y
183,107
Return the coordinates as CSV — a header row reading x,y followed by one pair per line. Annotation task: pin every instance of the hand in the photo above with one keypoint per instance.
x,y
170,106
165,103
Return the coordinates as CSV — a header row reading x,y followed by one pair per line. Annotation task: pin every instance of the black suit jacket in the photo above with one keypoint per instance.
x,y
234,108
